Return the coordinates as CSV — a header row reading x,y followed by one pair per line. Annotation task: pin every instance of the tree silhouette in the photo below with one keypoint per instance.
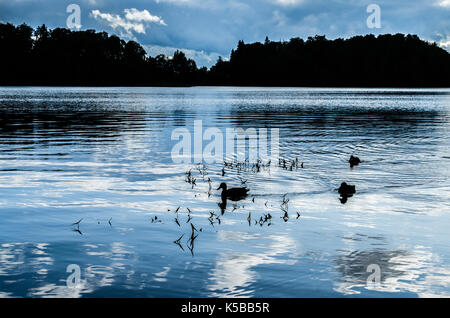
x,y
64,57
368,61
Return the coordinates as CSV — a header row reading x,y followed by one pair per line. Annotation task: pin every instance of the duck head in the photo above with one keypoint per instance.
x,y
223,186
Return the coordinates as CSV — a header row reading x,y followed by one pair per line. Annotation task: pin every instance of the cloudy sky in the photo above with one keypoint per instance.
x,y
205,29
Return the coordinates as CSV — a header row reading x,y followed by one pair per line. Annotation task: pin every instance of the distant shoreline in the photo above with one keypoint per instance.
x,y
230,86
61,57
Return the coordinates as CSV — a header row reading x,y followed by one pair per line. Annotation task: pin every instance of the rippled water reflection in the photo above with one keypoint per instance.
x,y
103,154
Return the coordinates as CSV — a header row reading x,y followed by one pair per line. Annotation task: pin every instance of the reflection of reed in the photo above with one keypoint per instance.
x,y
105,170
235,194
178,242
78,227
240,193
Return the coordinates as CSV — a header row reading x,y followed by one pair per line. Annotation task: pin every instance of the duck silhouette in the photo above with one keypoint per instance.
x,y
346,190
234,194
354,161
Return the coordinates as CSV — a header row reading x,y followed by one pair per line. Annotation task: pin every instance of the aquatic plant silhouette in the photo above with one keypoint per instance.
x,y
78,227
265,218
77,223
178,242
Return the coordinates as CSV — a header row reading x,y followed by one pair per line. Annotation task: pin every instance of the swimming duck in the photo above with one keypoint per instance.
x,y
234,194
354,161
346,190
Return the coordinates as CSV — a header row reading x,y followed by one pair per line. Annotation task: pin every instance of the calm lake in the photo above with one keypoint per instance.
x,y
103,155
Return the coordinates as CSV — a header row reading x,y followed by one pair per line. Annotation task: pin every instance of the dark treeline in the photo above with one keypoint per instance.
x,y
64,57
386,60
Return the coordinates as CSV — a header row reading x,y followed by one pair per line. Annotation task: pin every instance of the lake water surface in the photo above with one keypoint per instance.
x,y
103,155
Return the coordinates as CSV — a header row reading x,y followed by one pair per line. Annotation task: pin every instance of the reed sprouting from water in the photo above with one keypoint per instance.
x,y
200,172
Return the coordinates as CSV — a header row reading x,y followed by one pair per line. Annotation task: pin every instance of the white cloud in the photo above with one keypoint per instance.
x,y
288,2
175,1
142,16
134,20
445,43
444,3
115,21
210,5
279,18
202,58
442,40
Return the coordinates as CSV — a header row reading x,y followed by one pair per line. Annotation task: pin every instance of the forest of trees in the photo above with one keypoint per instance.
x,y
64,57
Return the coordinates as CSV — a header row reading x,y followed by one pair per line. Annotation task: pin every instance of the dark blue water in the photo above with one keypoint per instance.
x,y
104,155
